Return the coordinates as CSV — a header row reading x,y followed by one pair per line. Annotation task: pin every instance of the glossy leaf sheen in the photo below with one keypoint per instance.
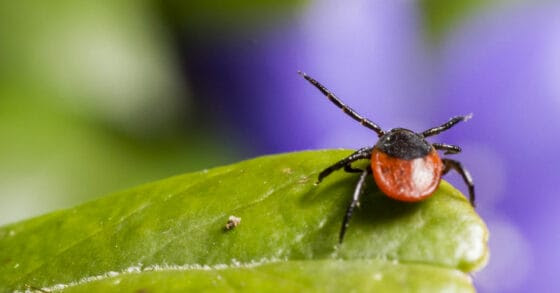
x,y
169,235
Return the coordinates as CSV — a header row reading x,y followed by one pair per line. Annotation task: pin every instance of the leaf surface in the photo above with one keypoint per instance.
x,y
170,235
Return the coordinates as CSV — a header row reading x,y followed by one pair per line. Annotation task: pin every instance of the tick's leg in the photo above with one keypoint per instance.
x,y
445,126
448,148
355,202
456,165
349,111
363,153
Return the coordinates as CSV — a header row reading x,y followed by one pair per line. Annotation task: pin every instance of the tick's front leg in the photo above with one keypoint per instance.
x,y
354,203
363,153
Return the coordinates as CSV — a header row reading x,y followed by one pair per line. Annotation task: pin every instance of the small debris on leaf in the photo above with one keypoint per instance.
x,y
232,222
303,180
287,171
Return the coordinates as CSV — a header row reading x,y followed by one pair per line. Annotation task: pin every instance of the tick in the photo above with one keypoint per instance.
x,y
405,166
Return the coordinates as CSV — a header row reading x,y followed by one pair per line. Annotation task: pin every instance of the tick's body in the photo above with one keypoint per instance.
x,y
404,165
406,180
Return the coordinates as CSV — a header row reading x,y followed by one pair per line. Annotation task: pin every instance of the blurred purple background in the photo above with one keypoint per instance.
x,y
215,90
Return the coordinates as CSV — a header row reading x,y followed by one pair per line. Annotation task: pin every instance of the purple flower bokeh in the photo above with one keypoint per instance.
x,y
354,51
503,66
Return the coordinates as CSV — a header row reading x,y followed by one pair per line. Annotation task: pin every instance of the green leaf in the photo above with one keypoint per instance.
x,y
170,235
441,17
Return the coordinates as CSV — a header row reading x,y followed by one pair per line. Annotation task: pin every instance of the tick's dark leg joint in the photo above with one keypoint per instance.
x,y
449,149
354,203
363,153
445,126
457,166
349,111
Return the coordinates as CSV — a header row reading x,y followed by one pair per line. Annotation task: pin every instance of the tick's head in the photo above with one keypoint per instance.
x,y
403,144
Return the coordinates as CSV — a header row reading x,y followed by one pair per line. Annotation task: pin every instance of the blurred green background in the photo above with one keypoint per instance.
x,y
92,101
93,96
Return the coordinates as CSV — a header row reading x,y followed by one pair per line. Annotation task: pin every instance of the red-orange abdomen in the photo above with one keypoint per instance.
x,y
406,180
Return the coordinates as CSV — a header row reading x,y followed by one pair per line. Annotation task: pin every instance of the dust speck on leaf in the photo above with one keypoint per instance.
x,y
287,170
232,222
322,223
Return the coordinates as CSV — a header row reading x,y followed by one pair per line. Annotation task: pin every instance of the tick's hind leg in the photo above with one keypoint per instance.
x,y
457,166
363,153
354,203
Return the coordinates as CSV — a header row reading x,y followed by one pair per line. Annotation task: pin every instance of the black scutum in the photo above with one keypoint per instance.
x,y
403,144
